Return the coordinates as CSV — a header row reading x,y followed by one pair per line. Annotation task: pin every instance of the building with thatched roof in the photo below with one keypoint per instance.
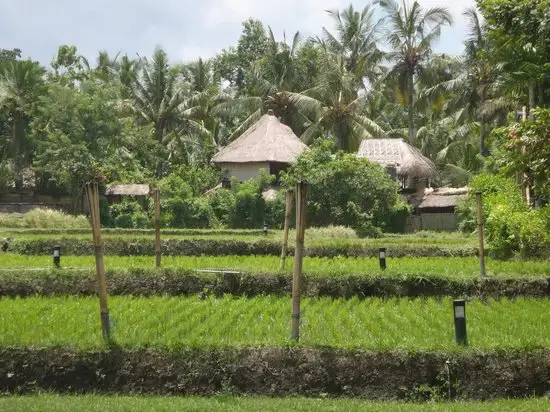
x,y
435,209
267,144
127,190
398,157
115,192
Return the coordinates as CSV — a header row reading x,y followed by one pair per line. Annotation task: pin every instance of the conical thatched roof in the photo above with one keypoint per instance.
x,y
267,140
407,160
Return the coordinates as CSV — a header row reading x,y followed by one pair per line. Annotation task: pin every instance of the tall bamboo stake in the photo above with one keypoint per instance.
x,y
479,202
156,198
288,213
92,193
301,213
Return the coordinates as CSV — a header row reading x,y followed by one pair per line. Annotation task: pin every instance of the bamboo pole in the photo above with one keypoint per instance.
x,y
92,193
288,213
156,198
301,213
479,202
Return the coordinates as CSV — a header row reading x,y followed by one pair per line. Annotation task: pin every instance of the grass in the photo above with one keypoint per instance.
x,y
42,219
96,403
175,323
314,237
448,267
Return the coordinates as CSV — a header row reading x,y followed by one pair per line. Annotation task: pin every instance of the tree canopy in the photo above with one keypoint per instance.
x,y
367,75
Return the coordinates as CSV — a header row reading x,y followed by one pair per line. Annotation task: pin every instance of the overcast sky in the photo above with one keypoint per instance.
x,y
185,29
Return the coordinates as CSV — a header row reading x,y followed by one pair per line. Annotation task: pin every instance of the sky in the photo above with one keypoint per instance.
x,y
186,29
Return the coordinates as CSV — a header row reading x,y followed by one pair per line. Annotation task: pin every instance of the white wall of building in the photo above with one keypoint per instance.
x,y
243,171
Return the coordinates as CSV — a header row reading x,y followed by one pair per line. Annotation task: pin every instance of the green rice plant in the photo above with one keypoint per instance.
x,y
114,403
445,267
183,322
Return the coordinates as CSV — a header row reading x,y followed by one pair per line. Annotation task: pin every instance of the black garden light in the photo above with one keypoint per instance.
x,y
57,255
382,257
459,311
265,229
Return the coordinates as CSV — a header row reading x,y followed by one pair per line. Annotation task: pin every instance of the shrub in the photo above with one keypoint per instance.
x,y
275,211
128,214
510,225
249,210
45,219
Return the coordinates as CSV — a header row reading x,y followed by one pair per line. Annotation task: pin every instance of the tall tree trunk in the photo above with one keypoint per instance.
x,y
532,95
482,134
410,104
16,150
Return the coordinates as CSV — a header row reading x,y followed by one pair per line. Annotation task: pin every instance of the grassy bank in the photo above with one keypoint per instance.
x,y
95,403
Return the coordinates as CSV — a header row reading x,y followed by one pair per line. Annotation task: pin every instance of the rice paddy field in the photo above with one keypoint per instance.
x,y
175,323
447,267
210,323
340,237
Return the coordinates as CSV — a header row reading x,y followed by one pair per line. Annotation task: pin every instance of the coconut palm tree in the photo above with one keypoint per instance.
x,y
200,132
411,33
156,93
21,83
336,108
474,95
270,82
356,39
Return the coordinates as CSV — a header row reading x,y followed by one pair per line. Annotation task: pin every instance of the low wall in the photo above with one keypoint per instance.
x,y
432,221
25,202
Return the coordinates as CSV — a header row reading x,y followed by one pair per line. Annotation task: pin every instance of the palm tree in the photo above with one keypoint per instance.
x,y
411,34
336,108
21,84
355,39
156,93
126,74
106,67
270,82
200,132
474,93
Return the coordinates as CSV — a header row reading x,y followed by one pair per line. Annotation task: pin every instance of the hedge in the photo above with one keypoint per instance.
x,y
279,371
176,282
219,247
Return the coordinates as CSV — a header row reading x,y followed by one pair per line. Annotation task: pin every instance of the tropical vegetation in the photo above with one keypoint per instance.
x,y
373,73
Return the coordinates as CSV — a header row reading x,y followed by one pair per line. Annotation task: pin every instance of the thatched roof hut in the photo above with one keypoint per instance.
x,y
267,144
396,153
127,190
439,198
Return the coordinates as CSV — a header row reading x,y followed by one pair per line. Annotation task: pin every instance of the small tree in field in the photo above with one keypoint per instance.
x,y
346,190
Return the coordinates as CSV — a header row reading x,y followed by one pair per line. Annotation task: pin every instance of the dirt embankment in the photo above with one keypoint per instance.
x,y
176,282
279,372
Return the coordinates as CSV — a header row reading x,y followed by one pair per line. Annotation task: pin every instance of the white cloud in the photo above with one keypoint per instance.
x,y
186,29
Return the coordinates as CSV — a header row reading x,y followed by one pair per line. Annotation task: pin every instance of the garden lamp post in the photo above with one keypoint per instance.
x,y
57,256
382,257
459,312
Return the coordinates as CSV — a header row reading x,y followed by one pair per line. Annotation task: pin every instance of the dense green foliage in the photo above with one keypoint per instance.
x,y
349,191
152,120
525,149
114,403
511,226
167,322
